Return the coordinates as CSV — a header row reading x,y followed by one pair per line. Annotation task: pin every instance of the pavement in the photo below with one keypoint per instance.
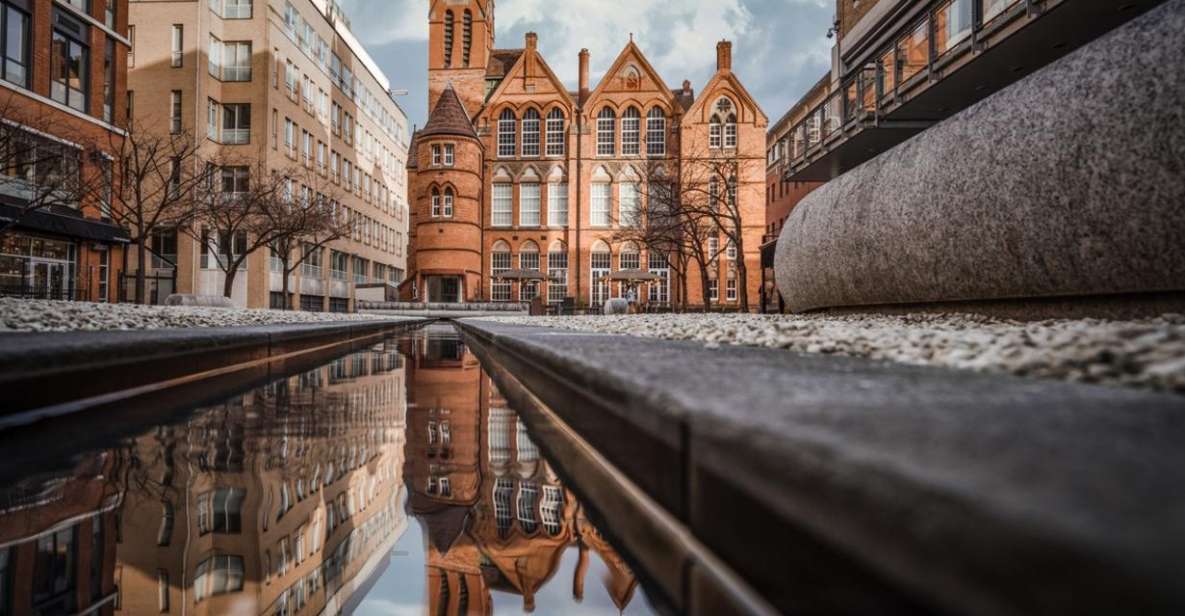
x,y
1147,353
848,485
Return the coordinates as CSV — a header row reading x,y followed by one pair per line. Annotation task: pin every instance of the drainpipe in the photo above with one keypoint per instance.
x,y
580,98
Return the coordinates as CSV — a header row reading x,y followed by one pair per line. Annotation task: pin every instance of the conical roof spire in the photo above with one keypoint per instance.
x,y
449,117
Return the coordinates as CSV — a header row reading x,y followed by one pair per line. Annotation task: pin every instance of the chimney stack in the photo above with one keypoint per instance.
x,y
583,75
724,56
532,43
687,87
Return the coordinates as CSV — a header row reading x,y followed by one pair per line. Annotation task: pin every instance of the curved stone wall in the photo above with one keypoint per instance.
x,y
1070,182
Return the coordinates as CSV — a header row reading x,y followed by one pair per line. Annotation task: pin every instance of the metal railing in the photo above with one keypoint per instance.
x,y
864,91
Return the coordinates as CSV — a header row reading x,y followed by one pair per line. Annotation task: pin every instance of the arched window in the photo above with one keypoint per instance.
x,y
528,259
631,132
600,266
506,136
555,132
656,132
448,39
499,262
531,134
606,132
435,202
557,272
732,191
631,258
714,194
467,40
723,125
660,291
448,203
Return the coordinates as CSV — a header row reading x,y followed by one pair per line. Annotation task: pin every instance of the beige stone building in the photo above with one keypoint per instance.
x,y
284,81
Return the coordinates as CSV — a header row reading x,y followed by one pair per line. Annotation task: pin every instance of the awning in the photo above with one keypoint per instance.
x,y
69,225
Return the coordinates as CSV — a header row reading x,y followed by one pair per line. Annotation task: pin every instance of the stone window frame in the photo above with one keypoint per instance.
x,y
656,132
606,132
507,137
631,132
555,137
532,137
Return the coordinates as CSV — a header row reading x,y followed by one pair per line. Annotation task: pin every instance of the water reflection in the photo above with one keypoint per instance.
x,y
291,498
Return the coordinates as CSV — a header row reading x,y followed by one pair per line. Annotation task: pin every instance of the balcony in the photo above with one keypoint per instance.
x,y
933,64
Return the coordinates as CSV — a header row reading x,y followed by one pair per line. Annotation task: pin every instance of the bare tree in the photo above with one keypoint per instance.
x,y
159,177
670,221
307,220
709,192
37,171
235,210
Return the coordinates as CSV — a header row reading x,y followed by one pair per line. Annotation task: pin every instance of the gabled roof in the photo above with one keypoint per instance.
x,y
500,62
735,84
516,68
630,49
449,117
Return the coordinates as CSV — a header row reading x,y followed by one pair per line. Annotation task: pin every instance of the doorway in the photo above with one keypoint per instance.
x,y
444,289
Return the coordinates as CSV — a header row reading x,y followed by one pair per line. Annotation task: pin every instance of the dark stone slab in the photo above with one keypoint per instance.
x,y
39,370
843,485
1068,183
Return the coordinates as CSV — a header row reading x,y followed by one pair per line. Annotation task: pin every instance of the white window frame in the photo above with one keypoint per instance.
x,y
555,132
529,205
631,132
606,132
656,132
502,205
557,204
507,139
531,134
601,204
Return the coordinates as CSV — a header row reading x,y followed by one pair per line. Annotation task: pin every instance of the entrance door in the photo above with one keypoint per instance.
x,y
444,289
48,279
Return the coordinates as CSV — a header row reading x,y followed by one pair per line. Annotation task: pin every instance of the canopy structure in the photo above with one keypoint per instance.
x,y
520,274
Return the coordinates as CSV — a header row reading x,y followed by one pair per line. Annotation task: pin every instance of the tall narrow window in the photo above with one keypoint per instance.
x,y
656,132
506,136
502,212
178,45
109,80
557,204
606,132
528,205
467,42
730,131
70,62
435,202
175,111
15,32
499,262
599,214
531,134
557,272
449,154
631,132
448,203
714,132
448,39
628,204
555,132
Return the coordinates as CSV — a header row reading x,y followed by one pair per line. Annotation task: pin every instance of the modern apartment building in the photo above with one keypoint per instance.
x,y
62,83
285,82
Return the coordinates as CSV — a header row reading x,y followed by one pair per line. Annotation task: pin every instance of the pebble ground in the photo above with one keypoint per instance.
x,y
1141,353
23,315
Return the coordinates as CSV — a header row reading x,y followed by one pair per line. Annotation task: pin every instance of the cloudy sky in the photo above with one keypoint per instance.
x,y
780,47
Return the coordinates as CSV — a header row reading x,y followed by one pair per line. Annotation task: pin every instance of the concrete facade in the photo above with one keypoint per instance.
x,y
1044,189
479,88
316,99
63,251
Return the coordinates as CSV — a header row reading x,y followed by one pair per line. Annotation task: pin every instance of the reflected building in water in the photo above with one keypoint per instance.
x,y
496,516
287,499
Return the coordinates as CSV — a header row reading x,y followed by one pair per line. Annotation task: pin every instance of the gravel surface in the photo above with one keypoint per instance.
x,y
23,315
1145,353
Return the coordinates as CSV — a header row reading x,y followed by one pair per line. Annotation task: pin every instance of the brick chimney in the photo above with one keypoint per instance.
x,y
532,59
583,75
724,56
687,87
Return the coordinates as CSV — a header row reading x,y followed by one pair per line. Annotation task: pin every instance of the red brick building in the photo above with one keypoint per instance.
x,y
514,171
63,98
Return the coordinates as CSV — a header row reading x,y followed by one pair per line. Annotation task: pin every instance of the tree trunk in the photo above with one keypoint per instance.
x,y
141,275
705,283
742,282
232,269
284,272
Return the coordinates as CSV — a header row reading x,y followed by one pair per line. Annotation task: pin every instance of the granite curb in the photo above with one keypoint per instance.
x,y
843,485
39,370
